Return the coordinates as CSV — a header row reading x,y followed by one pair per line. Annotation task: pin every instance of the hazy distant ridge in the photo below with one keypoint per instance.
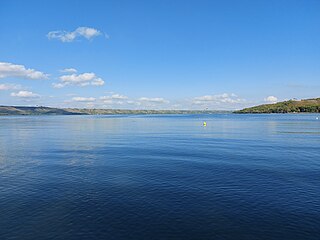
x,y
15,110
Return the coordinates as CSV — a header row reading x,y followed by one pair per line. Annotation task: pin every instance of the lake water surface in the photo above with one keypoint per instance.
x,y
160,177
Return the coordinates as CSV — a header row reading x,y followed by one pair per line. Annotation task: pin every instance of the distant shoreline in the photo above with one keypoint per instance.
x,y
291,107
35,111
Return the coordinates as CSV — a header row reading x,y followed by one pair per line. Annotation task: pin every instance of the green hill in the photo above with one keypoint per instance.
x,y
291,106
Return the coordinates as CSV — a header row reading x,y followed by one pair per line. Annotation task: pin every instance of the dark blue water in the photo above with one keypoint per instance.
x,y
160,177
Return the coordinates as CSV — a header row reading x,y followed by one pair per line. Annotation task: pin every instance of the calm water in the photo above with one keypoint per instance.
x,y
160,177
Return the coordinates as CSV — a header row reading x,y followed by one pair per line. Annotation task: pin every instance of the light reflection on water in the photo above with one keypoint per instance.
x,y
160,177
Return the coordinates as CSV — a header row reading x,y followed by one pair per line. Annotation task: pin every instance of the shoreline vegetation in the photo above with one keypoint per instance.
x,y
291,106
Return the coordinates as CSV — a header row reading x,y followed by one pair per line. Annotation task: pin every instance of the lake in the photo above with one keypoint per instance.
x,y
160,177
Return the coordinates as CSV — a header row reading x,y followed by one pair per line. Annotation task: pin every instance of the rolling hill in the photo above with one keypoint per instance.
x,y
291,106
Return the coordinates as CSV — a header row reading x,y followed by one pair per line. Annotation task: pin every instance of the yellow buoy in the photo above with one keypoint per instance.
x,y
204,124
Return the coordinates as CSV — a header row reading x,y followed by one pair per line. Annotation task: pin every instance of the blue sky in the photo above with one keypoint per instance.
x,y
159,54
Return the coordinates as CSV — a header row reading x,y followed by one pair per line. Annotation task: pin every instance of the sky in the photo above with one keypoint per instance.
x,y
159,54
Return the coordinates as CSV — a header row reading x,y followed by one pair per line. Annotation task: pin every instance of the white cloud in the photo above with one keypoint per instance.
x,y
65,36
217,99
58,85
6,86
83,99
153,100
115,100
114,97
25,94
226,101
84,79
119,97
69,70
97,82
271,99
20,71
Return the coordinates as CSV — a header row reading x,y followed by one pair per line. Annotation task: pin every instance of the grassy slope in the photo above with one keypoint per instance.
x,y
291,106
